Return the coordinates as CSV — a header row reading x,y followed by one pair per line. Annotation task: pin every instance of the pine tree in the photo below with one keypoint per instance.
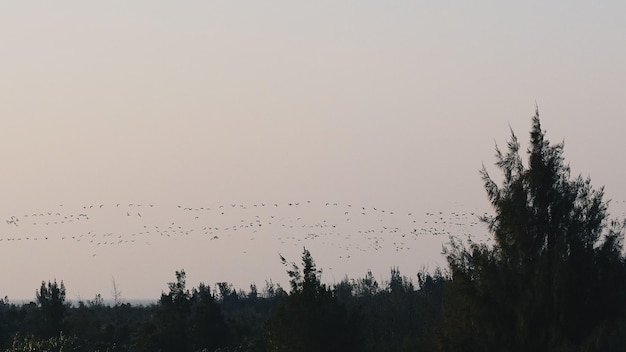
x,y
554,277
310,318
51,301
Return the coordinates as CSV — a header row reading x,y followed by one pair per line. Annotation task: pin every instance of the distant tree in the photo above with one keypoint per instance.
x,y
367,286
166,330
12,320
399,312
554,278
311,319
51,302
184,321
272,290
116,293
253,295
174,308
399,284
430,300
226,294
97,302
178,294
343,290
306,282
207,328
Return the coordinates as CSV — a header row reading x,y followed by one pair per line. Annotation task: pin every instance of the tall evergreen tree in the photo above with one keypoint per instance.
x,y
554,277
311,318
51,301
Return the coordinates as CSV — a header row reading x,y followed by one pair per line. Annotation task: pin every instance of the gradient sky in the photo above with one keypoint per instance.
x,y
385,104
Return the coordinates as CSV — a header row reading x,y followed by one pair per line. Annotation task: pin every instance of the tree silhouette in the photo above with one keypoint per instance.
x,y
206,326
184,320
554,278
311,319
51,302
166,331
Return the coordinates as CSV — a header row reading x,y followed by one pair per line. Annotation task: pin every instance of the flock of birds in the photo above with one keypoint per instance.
x,y
345,227
362,228
232,241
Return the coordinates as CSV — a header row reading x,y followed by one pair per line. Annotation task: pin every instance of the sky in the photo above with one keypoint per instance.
x,y
366,104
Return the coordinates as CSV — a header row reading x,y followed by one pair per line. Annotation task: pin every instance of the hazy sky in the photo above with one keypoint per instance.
x,y
372,103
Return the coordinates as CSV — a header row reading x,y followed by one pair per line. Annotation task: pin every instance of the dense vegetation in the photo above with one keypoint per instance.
x,y
554,279
354,315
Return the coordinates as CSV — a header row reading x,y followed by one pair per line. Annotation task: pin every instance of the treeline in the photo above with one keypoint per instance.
x,y
353,315
553,279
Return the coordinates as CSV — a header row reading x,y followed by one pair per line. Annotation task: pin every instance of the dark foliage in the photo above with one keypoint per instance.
x,y
555,277
51,303
311,318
